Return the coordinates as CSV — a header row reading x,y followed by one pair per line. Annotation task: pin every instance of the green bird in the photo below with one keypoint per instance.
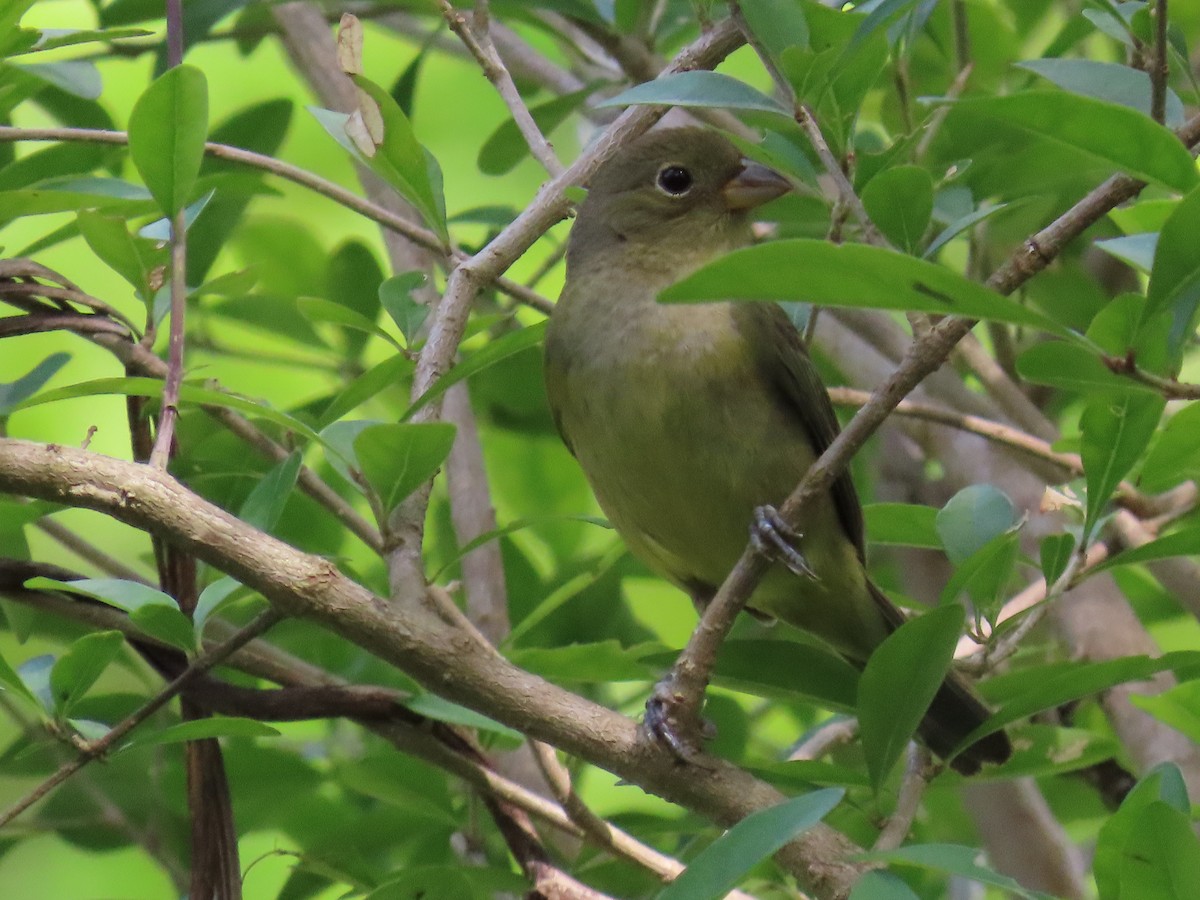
x,y
689,420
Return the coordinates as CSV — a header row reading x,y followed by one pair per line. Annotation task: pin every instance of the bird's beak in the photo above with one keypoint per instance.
x,y
754,186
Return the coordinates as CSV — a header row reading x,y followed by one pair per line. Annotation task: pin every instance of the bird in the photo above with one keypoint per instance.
x,y
688,420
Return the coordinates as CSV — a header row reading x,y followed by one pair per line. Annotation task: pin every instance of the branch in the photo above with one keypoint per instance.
x,y
444,660
1160,67
478,41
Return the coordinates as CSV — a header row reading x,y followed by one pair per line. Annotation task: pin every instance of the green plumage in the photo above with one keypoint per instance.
x,y
685,418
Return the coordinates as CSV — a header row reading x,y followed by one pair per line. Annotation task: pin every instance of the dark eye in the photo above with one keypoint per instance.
x,y
674,180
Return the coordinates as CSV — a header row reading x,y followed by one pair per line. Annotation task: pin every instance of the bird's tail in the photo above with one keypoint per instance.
x,y
955,712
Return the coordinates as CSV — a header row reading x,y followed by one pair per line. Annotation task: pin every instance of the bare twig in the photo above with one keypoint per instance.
x,y
1160,66
916,778
476,38
832,734
165,435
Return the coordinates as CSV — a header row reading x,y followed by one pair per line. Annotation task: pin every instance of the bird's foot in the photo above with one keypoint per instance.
x,y
673,720
774,539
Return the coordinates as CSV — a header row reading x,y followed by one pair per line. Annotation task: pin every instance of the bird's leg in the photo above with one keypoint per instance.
x,y
673,709
774,539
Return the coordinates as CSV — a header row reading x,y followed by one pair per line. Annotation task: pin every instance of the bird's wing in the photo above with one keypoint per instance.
x,y
786,366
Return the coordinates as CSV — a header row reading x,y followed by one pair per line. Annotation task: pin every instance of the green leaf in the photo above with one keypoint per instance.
x,y
264,505
722,863
1112,82
1072,367
1046,687
900,202
81,665
317,309
1178,707
985,573
188,393
402,162
902,525
877,885
211,599
1122,848
1113,134
152,611
855,275
597,662
203,729
959,225
11,681
953,860
1115,431
435,707
1136,249
134,259
395,294
972,518
14,393
778,24
1175,278
396,459
167,129
352,280
899,682
786,669
1055,552
80,78
1161,859
506,148
1185,542
388,373
1175,456
495,351
697,89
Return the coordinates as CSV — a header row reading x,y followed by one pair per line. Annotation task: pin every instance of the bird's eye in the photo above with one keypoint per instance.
x,y
674,180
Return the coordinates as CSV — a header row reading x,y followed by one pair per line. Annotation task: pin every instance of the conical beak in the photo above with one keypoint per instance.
x,y
754,186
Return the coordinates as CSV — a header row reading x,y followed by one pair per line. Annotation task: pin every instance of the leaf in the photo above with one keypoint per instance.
x,y
953,860
899,682
1055,552
167,129
721,864
188,393
854,275
972,518
396,459
1136,249
778,24
211,599
506,147
1072,367
204,729
14,393
1185,542
132,258
1111,82
1161,858
401,160
78,78
395,294
697,89
902,525
1046,687
386,374
961,224
1178,707
1115,431
1175,278
11,681
1123,834
1175,456
985,573
877,885
435,707
264,505
785,669
317,309
1113,134
495,351
81,665
152,611
900,202
597,662
352,280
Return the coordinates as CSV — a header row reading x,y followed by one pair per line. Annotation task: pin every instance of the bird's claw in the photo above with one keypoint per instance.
x,y
774,539
672,722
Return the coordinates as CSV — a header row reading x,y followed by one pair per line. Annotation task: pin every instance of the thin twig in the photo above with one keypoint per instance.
x,y
476,39
833,733
1160,66
908,802
165,434
91,750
